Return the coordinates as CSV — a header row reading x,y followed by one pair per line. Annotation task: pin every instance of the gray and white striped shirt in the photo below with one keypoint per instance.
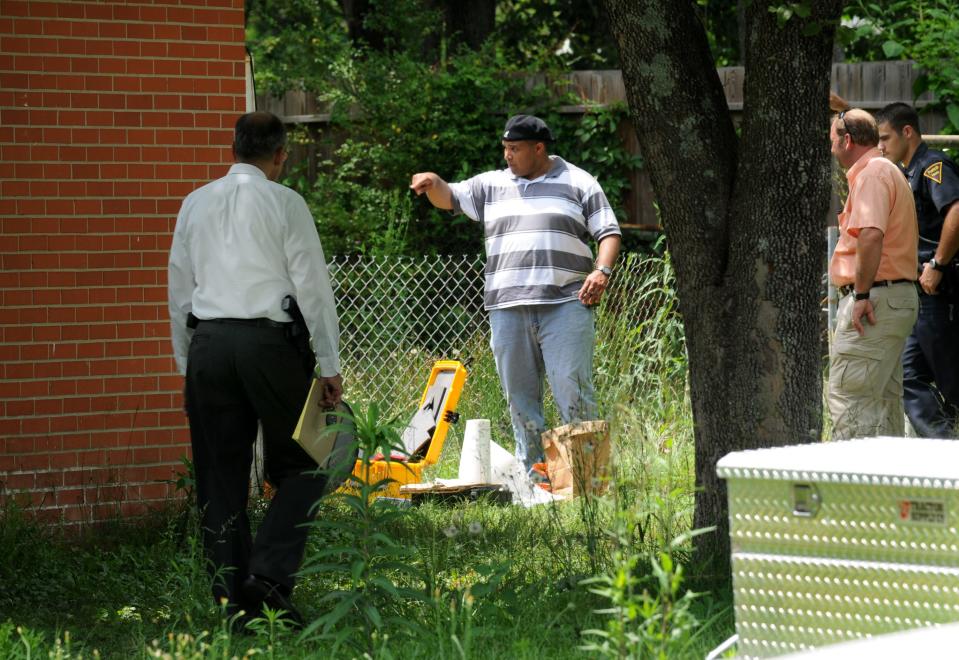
x,y
536,231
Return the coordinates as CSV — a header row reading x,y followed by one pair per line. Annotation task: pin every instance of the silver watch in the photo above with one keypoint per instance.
x,y
605,270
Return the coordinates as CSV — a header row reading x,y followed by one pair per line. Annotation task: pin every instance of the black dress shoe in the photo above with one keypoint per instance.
x,y
260,592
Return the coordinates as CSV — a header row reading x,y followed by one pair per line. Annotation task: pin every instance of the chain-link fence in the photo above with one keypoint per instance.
x,y
398,315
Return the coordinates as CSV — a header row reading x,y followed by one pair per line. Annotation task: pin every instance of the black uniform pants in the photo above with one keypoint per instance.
x,y
930,369
237,375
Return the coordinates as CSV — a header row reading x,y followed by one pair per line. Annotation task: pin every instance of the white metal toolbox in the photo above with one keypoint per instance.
x,y
842,540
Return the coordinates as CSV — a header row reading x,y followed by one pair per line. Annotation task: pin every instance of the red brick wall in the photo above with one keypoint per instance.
x,y
110,112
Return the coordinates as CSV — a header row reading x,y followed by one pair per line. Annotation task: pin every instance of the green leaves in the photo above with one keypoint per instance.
x,y
787,10
952,111
925,32
375,568
893,49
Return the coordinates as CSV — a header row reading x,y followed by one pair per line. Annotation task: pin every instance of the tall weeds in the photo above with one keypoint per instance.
x,y
599,575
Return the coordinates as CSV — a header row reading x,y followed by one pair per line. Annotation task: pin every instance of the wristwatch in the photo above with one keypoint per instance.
x,y
937,265
605,270
862,296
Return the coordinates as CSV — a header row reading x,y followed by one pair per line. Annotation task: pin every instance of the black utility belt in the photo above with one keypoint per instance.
x,y
846,289
253,323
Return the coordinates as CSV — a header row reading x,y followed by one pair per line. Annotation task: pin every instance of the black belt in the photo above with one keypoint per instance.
x,y
255,323
846,289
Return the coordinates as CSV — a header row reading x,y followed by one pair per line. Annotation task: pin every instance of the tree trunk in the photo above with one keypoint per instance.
x,y
744,219
355,12
470,22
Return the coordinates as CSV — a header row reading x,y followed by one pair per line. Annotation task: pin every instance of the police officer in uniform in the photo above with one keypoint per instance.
x,y
242,245
931,355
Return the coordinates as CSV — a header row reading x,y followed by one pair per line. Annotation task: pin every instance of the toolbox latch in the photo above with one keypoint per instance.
x,y
805,500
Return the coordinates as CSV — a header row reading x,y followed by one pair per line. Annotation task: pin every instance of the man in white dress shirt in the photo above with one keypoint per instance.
x,y
241,244
538,216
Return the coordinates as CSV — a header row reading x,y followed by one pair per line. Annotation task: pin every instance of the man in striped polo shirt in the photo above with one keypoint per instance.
x,y
538,215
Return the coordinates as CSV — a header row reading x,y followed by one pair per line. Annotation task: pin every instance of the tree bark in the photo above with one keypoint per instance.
x,y
471,21
744,219
355,12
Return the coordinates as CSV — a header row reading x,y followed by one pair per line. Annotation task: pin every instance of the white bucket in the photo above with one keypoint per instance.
x,y
475,457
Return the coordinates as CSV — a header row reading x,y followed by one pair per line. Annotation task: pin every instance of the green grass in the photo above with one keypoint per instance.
x,y
500,582
487,581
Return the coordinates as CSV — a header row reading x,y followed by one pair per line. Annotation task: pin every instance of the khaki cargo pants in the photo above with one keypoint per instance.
x,y
865,373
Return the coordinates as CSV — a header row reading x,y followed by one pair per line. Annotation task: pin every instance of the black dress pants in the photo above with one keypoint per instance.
x,y
238,375
930,369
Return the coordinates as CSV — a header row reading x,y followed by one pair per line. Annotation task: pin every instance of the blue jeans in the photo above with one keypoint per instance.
x,y
530,341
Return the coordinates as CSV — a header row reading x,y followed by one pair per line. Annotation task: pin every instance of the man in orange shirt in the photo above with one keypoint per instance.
x,y
875,268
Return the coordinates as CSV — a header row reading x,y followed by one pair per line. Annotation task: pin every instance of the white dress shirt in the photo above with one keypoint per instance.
x,y
240,245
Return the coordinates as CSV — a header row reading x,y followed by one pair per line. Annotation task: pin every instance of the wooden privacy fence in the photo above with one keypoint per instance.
x,y
869,85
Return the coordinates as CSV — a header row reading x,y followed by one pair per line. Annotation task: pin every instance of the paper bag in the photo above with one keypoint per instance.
x,y
577,458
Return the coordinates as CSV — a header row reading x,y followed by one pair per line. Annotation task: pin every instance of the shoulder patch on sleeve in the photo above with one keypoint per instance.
x,y
934,172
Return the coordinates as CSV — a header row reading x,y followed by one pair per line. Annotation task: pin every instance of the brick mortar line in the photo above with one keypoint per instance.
x,y
85,270
77,469
115,216
99,412
38,216
98,270
120,58
92,378
93,413
113,128
92,198
98,128
80,397
42,72
119,40
37,253
142,4
90,413
74,323
14,53
86,505
227,95
119,431
100,180
34,253
91,341
106,358
114,21
87,342
111,76
125,4
97,377
88,468
79,306
70,270
138,4
64,470
39,507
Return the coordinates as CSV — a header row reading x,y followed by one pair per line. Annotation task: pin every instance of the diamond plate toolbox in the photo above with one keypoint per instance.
x,y
842,540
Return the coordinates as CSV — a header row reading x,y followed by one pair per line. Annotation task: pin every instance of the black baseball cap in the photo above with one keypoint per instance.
x,y
527,127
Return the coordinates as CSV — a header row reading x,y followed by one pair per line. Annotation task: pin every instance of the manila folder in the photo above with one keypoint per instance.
x,y
312,431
